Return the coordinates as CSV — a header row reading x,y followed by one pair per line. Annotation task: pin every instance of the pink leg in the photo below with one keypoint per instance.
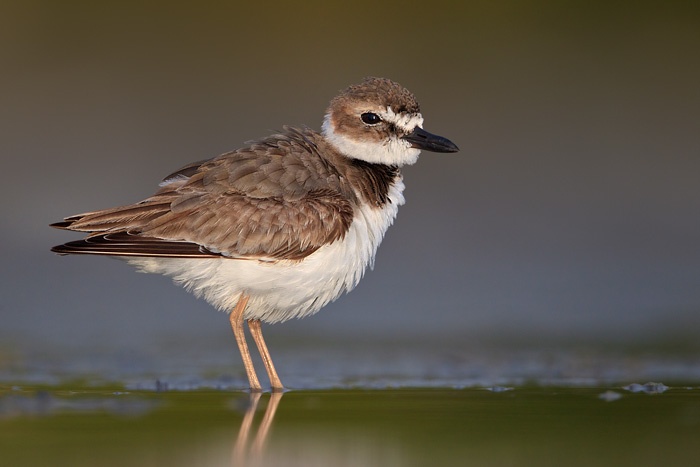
x,y
236,318
256,332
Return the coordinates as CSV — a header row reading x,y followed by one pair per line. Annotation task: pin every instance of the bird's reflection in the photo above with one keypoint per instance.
x,y
242,451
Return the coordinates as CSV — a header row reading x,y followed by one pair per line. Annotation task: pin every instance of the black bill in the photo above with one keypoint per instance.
x,y
421,139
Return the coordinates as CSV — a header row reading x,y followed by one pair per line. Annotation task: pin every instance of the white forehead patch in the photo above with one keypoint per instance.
x,y
405,121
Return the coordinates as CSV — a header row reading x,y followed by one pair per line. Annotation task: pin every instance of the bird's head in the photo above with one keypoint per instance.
x,y
379,121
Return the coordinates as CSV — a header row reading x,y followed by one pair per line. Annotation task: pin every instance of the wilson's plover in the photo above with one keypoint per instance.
x,y
280,228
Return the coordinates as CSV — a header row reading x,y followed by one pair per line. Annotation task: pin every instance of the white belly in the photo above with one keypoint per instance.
x,y
283,290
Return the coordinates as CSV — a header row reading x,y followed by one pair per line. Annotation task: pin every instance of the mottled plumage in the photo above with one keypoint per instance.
x,y
278,203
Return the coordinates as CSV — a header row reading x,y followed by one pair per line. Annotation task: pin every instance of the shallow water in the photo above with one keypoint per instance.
x,y
312,363
453,402
80,425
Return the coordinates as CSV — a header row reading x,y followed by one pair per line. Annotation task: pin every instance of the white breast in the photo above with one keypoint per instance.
x,y
283,290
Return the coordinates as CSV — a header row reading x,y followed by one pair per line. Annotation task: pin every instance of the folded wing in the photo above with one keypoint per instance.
x,y
263,202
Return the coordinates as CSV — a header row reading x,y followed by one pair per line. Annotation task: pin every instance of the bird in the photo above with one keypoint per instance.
x,y
281,227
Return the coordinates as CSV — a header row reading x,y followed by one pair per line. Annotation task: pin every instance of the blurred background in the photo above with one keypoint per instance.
x,y
571,213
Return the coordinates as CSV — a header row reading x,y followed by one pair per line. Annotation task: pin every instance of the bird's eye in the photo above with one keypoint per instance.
x,y
370,118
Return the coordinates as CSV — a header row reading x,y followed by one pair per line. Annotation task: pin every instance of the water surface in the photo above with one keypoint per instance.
x,y
80,425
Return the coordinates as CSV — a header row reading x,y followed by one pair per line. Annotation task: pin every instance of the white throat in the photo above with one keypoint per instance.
x,y
393,151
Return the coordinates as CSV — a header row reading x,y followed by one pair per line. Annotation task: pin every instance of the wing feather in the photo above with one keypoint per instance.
x,y
262,202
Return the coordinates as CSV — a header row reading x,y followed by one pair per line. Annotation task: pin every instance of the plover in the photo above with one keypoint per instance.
x,y
282,227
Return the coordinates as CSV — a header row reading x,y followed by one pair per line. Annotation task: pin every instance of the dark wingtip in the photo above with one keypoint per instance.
x,y
61,225
60,250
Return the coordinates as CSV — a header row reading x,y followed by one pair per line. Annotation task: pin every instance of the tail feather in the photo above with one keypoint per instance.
x,y
125,244
115,232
